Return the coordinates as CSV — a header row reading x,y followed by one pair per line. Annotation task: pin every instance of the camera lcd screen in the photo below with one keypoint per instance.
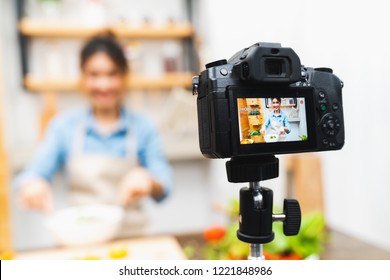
x,y
272,120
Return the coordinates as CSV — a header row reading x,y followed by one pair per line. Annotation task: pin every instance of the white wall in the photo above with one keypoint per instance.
x,y
352,38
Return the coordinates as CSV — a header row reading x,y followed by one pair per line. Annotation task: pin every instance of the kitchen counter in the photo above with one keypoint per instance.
x,y
148,248
339,247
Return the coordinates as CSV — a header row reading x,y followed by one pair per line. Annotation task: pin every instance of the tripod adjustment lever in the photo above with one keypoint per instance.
x,y
292,221
291,217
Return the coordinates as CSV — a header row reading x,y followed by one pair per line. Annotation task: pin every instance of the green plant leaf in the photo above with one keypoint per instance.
x,y
254,133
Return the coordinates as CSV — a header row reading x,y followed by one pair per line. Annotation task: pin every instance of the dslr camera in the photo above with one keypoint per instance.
x,y
262,101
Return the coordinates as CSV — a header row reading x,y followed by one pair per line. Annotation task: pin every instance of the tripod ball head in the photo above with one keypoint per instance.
x,y
255,222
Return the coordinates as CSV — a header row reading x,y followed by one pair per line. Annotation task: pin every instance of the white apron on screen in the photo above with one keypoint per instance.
x,y
275,128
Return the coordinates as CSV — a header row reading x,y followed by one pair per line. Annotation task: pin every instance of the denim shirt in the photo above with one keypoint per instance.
x,y
280,118
55,149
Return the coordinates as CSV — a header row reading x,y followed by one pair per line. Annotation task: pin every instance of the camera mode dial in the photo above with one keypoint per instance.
x,y
216,63
324,69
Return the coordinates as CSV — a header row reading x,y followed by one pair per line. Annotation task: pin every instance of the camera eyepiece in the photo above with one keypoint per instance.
x,y
267,63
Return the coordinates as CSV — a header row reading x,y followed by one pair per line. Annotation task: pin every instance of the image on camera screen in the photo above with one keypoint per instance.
x,y
270,120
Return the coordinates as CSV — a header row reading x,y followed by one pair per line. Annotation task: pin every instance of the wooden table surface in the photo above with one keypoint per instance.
x,y
339,247
344,247
147,248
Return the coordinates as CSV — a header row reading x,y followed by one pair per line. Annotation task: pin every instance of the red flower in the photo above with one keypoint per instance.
x,y
214,233
234,257
291,256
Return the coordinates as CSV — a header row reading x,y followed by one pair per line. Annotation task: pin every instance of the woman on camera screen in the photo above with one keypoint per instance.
x,y
277,121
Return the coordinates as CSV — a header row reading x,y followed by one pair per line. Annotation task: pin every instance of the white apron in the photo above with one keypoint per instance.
x,y
275,127
95,178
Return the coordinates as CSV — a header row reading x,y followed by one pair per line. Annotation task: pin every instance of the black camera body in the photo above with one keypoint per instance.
x,y
263,101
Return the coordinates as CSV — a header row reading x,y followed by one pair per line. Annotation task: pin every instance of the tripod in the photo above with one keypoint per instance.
x,y
256,202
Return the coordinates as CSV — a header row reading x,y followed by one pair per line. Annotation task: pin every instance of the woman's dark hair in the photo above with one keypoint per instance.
x,y
108,45
277,98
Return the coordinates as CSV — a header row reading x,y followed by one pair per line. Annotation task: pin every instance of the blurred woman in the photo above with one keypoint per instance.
x,y
110,154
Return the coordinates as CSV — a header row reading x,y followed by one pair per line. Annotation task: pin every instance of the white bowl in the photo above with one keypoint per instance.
x,y
271,137
84,225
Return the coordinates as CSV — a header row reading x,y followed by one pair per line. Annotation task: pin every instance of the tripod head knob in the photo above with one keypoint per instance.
x,y
292,221
291,217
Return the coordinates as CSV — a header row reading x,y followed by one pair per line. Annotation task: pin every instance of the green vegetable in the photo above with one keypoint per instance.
x,y
309,241
254,112
254,133
303,137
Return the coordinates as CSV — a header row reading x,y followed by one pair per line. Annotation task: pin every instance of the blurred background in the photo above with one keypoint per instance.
x,y
166,43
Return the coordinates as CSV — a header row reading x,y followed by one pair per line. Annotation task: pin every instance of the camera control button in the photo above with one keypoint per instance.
x,y
330,125
325,142
335,106
321,94
323,107
223,71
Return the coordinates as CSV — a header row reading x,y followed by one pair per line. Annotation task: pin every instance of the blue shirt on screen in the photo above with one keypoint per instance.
x,y
281,118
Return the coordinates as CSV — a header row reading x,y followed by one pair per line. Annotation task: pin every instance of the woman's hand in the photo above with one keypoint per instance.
x,y
137,184
36,194
283,130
